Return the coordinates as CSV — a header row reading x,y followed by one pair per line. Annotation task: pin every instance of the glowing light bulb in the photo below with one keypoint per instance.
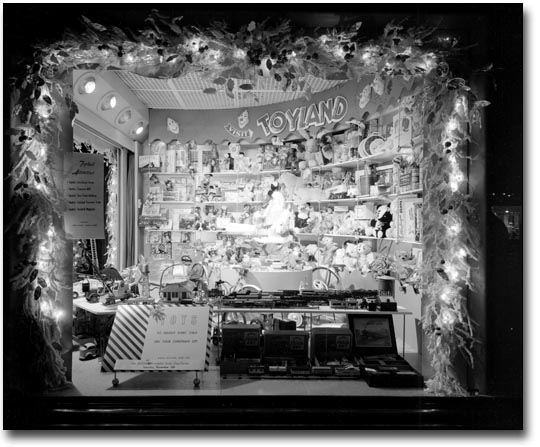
x,y
452,125
448,318
89,86
139,130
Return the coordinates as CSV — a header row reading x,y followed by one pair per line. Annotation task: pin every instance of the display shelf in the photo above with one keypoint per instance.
x,y
242,202
169,173
346,236
309,310
174,202
245,174
411,192
358,199
377,158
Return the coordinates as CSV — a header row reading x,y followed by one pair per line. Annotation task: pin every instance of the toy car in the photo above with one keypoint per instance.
x,y
88,351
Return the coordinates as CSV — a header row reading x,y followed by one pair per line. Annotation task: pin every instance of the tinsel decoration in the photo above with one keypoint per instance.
x,y
111,210
451,221
234,60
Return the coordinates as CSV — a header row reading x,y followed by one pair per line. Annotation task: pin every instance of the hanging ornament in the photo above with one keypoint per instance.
x,y
173,126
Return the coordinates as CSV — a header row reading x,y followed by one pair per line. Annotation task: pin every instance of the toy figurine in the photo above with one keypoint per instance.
x,y
214,159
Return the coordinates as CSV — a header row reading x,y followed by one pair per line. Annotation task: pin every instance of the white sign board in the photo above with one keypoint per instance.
x,y
84,194
176,339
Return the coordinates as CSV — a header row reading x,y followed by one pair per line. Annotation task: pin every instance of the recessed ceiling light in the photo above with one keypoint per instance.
x,y
87,86
108,102
123,117
139,130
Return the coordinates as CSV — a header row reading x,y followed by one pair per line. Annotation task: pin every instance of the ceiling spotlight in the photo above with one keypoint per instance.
x,y
108,102
139,129
87,86
124,116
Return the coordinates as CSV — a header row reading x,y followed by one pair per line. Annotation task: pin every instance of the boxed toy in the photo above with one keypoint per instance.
x,y
374,348
286,345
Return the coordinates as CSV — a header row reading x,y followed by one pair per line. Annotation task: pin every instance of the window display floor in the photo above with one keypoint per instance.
x,y
88,380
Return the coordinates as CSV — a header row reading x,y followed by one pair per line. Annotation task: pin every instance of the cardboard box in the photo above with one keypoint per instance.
x,y
241,340
330,344
374,345
285,345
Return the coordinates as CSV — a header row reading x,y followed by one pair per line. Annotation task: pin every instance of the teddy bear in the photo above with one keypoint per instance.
x,y
365,257
327,221
382,221
301,217
328,248
348,226
351,256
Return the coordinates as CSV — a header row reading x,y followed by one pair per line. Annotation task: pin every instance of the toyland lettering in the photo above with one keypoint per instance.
x,y
329,111
176,326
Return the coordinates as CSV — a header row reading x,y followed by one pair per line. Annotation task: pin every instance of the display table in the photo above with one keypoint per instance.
x,y
98,320
219,310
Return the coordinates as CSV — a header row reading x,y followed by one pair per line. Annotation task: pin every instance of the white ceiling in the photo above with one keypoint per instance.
x,y
186,93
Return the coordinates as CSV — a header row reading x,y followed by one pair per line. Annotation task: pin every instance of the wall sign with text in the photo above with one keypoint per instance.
x,y
84,193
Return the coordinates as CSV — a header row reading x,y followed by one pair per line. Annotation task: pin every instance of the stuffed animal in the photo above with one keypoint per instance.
x,y
348,226
313,222
327,221
365,257
328,248
327,151
242,163
351,256
339,258
382,221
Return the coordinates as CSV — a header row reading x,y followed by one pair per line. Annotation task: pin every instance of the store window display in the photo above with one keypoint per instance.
x,y
307,235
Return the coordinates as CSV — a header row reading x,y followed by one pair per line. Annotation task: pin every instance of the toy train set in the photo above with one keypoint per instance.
x,y
282,299
331,353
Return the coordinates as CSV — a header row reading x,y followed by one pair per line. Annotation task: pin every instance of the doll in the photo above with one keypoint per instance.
x,y
214,159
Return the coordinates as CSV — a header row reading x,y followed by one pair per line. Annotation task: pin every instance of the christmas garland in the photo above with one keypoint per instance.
x,y
234,61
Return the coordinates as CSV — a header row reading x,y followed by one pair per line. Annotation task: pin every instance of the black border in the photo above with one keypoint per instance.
x,y
266,412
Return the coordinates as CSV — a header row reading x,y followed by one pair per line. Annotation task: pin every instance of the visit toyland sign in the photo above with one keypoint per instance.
x,y
83,191
324,112
324,109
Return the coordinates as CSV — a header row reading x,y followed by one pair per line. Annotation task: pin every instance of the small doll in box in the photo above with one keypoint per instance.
x,y
214,159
